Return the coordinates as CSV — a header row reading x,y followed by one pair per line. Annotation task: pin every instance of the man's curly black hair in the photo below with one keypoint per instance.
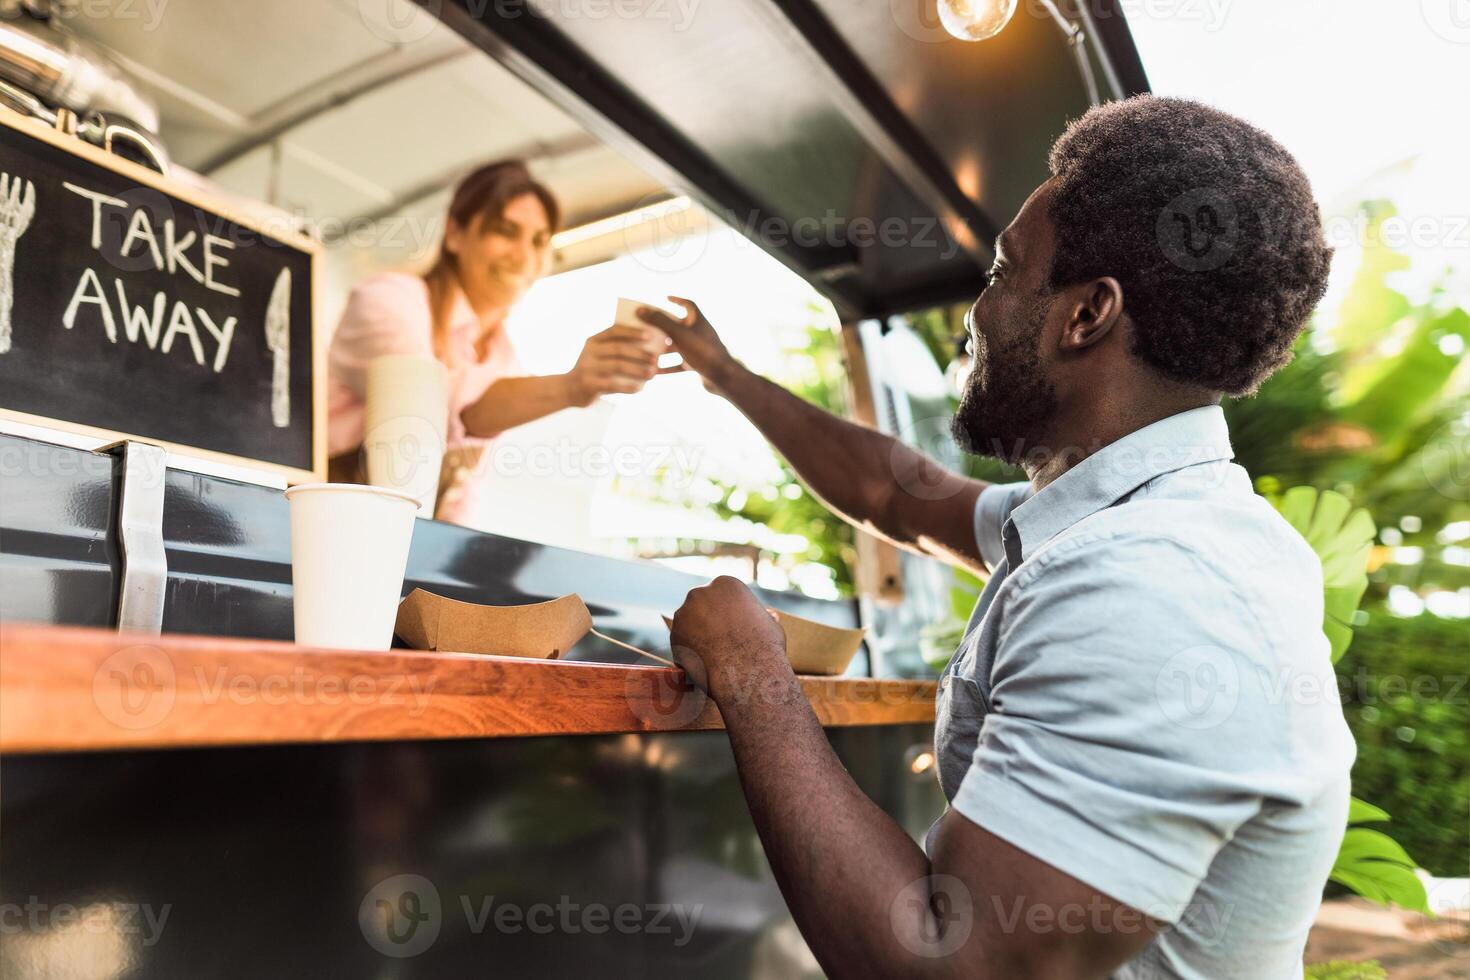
x,y
1207,223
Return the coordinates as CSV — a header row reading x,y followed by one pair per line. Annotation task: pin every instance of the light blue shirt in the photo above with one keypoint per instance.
x,y
1144,699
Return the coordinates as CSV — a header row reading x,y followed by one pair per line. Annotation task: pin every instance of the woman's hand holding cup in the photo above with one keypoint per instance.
x,y
619,360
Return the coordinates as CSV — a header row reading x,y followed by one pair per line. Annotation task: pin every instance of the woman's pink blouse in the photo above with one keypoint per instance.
x,y
389,313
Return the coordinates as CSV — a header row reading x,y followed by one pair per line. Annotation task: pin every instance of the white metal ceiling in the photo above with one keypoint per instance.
x,y
365,107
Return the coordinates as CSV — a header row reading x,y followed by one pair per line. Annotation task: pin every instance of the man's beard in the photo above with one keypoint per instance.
x,y
1008,403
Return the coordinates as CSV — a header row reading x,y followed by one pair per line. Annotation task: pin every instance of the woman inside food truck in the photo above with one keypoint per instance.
x,y
496,244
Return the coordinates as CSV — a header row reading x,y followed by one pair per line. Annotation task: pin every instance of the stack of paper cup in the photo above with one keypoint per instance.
x,y
406,418
349,550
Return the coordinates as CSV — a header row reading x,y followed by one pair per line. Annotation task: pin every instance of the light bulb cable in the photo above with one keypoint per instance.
x,y
1077,42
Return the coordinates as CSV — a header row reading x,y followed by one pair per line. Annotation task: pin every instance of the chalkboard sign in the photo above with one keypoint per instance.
x,y
132,308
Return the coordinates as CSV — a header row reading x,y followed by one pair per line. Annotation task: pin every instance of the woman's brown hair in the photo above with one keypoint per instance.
x,y
481,196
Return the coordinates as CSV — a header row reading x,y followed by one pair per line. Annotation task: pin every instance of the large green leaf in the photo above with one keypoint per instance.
x,y
1360,811
1393,392
1373,865
1342,538
1370,305
964,592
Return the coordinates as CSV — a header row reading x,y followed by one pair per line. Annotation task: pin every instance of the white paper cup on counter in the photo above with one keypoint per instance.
x,y
404,430
349,551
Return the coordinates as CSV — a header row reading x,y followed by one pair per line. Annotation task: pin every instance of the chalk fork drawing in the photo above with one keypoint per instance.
x,y
17,207
278,339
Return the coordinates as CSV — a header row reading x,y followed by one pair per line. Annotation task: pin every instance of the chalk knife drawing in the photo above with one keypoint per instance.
x,y
17,207
278,339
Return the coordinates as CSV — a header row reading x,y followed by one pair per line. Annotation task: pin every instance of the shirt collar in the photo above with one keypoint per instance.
x,y
464,331
1191,438
462,316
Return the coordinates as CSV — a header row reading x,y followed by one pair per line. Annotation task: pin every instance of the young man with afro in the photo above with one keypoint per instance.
x,y
1137,785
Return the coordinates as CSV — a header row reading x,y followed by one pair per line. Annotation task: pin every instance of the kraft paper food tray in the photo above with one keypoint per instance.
x,y
540,630
813,647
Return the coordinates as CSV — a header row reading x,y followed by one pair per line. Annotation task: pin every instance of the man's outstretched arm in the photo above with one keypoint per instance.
x,y
867,899
870,479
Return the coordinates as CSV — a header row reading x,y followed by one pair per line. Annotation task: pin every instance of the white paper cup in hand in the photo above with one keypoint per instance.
x,y
349,551
404,430
627,314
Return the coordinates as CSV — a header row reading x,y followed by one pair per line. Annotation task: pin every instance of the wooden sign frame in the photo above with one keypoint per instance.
x,y
226,210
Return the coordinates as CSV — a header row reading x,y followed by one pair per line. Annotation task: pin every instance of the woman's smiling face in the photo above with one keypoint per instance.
x,y
498,259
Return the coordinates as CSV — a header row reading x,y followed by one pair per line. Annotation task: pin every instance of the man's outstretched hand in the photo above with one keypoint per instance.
x,y
729,633
693,339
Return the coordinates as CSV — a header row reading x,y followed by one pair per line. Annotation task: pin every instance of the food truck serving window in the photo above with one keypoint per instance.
x,y
316,147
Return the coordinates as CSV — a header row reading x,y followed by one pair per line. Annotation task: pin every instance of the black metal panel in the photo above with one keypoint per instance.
x,y
829,43
229,559
1117,39
58,562
990,110
780,113
729,108
537,52
256,862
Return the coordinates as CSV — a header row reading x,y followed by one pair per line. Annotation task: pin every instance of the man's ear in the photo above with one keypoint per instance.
x,y
1093,308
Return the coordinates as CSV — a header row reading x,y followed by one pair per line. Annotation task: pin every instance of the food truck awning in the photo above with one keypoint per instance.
x,y
857,141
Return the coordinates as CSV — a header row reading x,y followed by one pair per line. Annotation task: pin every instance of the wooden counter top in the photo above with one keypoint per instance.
x,y
74,689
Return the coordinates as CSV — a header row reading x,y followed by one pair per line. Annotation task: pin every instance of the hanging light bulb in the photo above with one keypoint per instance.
x,y
975,20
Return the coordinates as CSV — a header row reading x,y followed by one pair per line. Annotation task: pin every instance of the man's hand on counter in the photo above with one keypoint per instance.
x,y
868,900
724,637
